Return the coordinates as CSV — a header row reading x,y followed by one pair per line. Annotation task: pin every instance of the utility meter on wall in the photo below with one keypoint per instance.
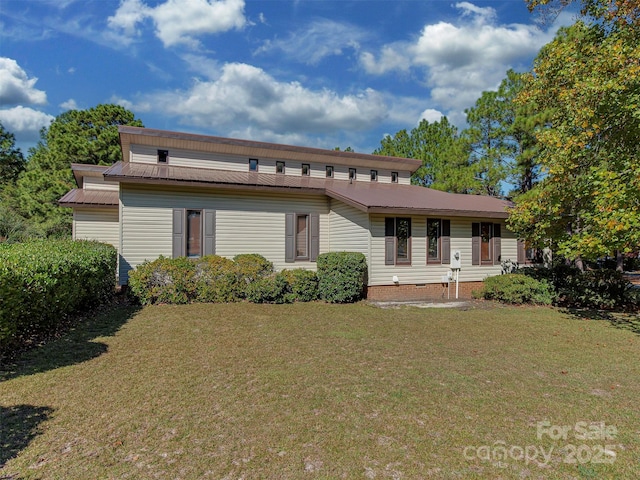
x,y
456,262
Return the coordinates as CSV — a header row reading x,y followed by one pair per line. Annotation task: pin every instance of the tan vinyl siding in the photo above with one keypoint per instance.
x,y
96,224
98,183
419,272
349,229
245,222
188,158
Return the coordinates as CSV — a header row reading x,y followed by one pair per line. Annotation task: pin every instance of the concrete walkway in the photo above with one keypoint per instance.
x,y
424,304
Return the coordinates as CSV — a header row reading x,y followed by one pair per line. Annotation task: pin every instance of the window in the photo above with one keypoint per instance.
x,y
486,243
394,177
253,164
352,174
306,169
397,233
163,156
438,241
527,254
302,237
329,171
193,232
279,167
374,175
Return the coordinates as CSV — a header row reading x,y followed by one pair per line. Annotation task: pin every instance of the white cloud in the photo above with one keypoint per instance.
x,y
246,98
460,61
317,40
69,105
179,22
16,86
431,115
24,122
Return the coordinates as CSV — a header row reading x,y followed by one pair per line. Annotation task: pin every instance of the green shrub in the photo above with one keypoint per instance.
x,y
251,267
216,280
41,282
165,280
517,289
342,276
272,289
303,284
600,289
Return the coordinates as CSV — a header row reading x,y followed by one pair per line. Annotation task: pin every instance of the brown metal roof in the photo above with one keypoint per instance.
x,y
252,149
89,198
370,197
415,200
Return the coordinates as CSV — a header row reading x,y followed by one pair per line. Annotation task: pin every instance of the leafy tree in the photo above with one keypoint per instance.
x,y
588,82
444,154
76,136
11,158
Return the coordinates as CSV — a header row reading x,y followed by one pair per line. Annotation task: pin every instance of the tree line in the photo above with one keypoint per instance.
x,y
561,141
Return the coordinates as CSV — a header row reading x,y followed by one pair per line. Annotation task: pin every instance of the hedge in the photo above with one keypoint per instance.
x,y
43,281
516,288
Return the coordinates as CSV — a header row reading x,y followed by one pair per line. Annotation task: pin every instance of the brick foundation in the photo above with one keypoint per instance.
x,y
429,292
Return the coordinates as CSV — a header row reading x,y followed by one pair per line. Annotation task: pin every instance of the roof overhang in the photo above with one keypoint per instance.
x,y
90,199
163,139
81,170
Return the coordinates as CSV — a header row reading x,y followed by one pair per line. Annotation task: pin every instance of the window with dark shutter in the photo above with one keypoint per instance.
x,y
389,241
302,237
209,232
497,244
445,242
178,233
314,230
475,244
290,241
397,241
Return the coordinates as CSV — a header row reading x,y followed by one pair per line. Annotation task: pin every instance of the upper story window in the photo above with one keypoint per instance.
x,y
374,175
394,177
279,167
163,156
306,169
253,164
329,171
352,174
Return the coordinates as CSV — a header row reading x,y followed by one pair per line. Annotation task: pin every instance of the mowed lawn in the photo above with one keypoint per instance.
x,y
326,391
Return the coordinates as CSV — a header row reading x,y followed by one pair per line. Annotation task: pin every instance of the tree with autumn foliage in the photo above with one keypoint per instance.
x,y
587,81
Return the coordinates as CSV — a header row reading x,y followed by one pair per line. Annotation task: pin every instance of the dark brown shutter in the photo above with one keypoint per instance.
x,y
209,232
497,244
289,240
445,241
178,233
314,220
522,253
475,244
389,241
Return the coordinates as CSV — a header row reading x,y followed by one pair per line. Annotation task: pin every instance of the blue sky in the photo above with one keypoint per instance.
x,y
317,73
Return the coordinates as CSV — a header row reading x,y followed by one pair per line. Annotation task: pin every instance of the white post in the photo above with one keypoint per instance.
x,y
457,273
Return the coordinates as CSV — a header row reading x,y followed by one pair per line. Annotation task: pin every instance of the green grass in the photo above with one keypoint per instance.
x,y
321,391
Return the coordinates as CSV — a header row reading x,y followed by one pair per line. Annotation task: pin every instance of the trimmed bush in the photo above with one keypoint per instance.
x,y
216,280
272,289
303,284
516,288
341,276
43,281
251,267
165,280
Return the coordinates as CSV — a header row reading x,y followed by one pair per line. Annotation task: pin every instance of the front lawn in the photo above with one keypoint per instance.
x,y
326,391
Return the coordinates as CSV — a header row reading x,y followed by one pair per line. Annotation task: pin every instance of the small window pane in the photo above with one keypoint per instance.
x,y
352,174
279,167
403,233
194,233
433,236
253,165
485,242
306,169
374,175
329,171
389,227
163,156
394,177
302,236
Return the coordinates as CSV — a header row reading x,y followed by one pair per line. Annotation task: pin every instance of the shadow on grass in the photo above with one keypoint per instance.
x,y
19,424
75,346
622,320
